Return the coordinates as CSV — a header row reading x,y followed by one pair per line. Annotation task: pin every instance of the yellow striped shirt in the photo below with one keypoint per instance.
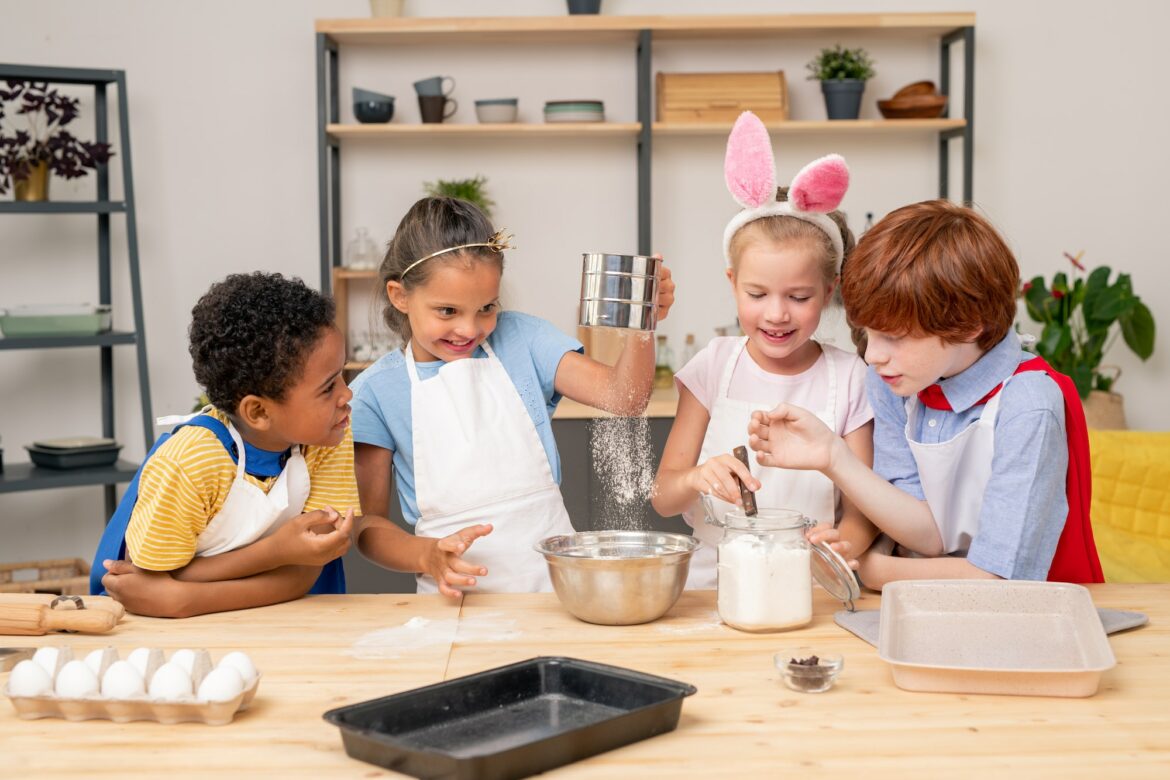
x,y
186,481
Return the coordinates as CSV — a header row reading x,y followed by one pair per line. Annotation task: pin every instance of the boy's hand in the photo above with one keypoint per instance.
x,y
792,438
315,538
665,290
827,533
444,563
150,593
714,478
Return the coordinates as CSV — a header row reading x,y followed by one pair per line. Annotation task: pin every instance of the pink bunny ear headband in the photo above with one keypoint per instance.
x,y
750,172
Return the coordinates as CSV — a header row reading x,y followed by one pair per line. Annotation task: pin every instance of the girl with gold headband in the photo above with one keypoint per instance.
x,y
461,416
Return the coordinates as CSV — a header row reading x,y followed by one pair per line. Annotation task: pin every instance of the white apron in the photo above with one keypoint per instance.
x,y
807,491
248,513
955,473
478,459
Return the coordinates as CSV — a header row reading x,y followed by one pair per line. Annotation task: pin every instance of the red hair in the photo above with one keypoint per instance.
x,y
933,268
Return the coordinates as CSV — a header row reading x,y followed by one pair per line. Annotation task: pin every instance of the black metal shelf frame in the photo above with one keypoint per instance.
x,y
25,476
329,151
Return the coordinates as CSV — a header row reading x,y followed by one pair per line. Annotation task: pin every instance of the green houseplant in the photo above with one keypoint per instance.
x,y
1082,317
473,190
34,141
842,73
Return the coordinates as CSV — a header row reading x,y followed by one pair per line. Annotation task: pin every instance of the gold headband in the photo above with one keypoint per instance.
x,y
497,242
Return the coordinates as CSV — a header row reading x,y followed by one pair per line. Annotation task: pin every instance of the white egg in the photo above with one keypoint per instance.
x,y
122,681
170,682
223,683
94,661
47,658
242,664
139,658
76,681
184,658
29,679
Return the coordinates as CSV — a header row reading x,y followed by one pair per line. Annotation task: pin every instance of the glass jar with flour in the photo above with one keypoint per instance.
x,y
766,567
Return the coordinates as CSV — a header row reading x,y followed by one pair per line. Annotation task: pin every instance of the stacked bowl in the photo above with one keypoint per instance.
x,y
574,111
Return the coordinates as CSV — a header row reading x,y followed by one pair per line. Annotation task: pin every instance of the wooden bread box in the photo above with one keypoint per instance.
x,y
721,97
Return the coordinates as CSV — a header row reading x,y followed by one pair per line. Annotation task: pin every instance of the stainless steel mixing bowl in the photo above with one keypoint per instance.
x,y
618,578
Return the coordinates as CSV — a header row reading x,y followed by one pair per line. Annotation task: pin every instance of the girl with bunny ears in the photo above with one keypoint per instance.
x,y
783,254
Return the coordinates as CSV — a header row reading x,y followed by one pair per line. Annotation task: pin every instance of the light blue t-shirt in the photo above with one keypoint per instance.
x,y
1025,504
530,350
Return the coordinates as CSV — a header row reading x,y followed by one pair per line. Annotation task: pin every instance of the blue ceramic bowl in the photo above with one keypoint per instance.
x,y
373,111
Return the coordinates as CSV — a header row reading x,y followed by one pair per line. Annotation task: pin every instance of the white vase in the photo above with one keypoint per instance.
x,y
386,7
1104,411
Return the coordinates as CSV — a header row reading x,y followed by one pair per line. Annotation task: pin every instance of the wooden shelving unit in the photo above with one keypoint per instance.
x,y
641,32
25,476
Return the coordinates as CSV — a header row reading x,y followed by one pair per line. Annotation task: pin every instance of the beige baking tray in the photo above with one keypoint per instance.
x,y
993,636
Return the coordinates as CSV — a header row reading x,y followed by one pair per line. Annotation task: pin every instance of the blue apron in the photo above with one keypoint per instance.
x,y
261,464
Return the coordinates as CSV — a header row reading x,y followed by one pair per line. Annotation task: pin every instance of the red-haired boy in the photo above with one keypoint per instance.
x,y
981,458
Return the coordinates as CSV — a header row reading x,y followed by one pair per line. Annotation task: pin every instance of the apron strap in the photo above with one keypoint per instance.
x,y
112,545
729,369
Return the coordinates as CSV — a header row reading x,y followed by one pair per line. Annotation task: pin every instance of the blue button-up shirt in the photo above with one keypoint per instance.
x,y
1025,505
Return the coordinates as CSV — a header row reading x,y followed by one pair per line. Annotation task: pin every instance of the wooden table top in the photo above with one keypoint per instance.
x,y
326,651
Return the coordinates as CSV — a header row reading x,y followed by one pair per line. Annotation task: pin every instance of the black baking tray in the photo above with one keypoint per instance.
x,y
80,457
512,721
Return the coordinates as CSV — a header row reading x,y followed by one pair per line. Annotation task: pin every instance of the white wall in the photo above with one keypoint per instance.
x,y
1070,155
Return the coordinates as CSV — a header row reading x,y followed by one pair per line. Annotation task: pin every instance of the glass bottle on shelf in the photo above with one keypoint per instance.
x,y
361,254
663,361
688,350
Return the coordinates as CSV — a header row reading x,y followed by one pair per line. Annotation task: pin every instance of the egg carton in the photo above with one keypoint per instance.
x,y
180,708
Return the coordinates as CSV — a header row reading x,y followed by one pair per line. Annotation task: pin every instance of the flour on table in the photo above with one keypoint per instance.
x,y
420,633
710,622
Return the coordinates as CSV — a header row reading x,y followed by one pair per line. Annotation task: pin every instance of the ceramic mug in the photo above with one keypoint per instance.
x,y
434,108
434,86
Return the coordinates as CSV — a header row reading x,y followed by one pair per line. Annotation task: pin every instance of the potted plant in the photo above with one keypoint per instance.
x,y
34,141
472,190
1082,318
842,73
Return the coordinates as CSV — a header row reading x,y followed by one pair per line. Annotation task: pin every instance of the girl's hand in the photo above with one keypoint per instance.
x,y
665,290
714,478
315,538
445,564
792,438
827,533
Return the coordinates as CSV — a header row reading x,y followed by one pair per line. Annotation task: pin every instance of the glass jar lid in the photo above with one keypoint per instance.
x,y
834,575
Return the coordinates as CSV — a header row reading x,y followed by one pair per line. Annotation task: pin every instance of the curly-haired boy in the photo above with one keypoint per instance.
x,y
251,501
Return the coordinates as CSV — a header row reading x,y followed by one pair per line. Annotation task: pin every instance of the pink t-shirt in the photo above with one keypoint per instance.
x,y
808,389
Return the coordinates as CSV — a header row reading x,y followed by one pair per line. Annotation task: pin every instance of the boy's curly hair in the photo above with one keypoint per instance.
x,y
251,334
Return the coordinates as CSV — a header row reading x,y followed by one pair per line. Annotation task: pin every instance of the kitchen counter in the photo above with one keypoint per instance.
x,y
742,722
663,403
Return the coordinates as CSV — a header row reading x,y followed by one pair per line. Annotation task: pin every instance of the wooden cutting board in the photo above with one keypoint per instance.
x,y
22,617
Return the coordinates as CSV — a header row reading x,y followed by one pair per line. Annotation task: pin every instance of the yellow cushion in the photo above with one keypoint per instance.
x,y
1131,504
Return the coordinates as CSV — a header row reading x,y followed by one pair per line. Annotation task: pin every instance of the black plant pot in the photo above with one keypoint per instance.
x,y
584,6
843,97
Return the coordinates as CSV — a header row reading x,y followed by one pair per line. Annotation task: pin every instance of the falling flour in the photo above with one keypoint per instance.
x,y
420,633
624,465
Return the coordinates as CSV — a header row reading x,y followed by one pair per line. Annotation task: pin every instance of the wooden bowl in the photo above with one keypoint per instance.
x,y
917,88
914,107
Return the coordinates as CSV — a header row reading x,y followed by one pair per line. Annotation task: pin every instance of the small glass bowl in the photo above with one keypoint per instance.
x,y
806,677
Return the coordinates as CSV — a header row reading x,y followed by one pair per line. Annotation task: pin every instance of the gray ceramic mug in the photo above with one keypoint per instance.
x,y
434,86
436,108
